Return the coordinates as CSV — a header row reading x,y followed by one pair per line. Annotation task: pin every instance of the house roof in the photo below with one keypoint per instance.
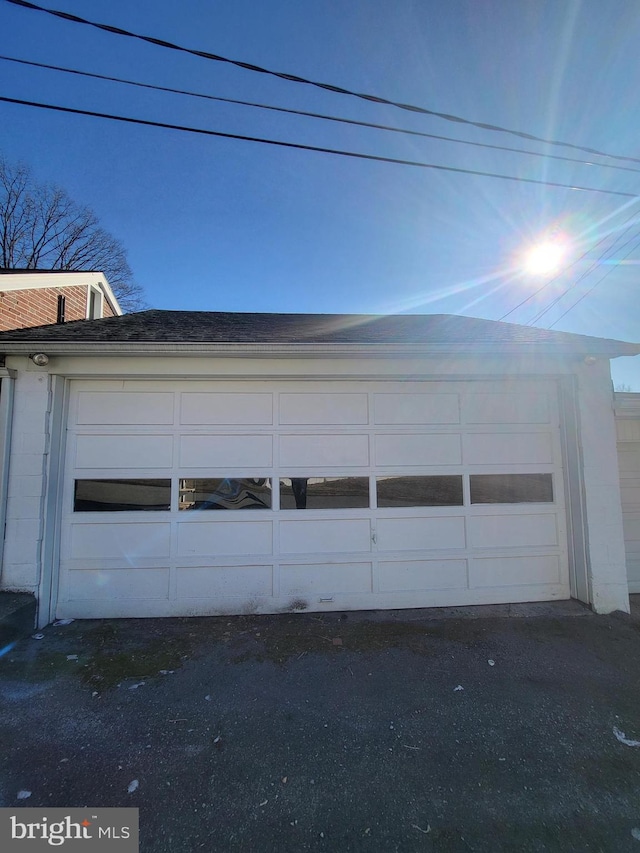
x,y
183,331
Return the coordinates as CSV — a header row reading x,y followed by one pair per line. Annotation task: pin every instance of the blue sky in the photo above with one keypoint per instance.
x,y
213,224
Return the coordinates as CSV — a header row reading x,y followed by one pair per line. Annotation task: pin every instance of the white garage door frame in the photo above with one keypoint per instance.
x,y
566,446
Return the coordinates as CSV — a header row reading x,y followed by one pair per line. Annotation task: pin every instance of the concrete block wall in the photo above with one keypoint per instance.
x,y
27,482
39,306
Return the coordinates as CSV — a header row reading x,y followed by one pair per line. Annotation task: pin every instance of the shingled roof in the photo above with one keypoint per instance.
x,y
216,328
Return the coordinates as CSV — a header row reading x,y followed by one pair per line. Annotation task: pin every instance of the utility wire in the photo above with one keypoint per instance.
x,y
302,147
312,115
583,275
566,269
294,78
600,280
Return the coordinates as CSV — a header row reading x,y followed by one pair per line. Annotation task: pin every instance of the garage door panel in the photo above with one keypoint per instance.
x,y
213,408
422,409
226,451
417,450
419,575
324,409
629,469
328,578
514,571
629,458
633,563
131,452
225,581
631,525
421,534
224,538
513,531
119,540
508,449
327,451
506,408
122,583
125,408
325,536
630,495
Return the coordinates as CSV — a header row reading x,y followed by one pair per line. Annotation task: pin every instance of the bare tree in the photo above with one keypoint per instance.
x,y
42,228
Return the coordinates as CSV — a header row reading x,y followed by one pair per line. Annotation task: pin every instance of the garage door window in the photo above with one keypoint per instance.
x,y
225,493
511,488
121,495
324,493
419,491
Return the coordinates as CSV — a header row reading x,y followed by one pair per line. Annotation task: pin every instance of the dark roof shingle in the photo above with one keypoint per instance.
x,y
220,327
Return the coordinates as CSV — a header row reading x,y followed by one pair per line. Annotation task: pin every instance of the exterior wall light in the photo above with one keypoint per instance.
x,y
40,359
590,359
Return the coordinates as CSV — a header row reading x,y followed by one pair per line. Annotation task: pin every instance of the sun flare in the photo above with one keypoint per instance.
x,y
544,258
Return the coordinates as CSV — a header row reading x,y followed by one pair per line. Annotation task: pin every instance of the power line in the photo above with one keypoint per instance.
x,y
600,280
566,269
581,277
323,116
294,78
354,154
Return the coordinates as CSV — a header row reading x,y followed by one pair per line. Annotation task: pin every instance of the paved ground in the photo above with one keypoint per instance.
x,y
333,733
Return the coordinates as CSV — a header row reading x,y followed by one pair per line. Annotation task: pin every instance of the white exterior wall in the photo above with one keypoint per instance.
x,y
28,482
605,536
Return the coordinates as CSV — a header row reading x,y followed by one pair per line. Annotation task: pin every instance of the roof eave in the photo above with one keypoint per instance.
x,y
194,349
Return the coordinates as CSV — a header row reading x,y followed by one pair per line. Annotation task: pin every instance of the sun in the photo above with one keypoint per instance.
x,y
545,258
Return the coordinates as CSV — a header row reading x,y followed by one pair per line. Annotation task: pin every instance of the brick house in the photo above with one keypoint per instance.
x,y
37,298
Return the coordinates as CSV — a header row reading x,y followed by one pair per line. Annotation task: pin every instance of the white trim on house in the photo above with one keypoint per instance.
x,y
381,352
95,301
7,381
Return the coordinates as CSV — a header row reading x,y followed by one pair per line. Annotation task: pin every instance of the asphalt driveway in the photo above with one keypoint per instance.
x,y
491,730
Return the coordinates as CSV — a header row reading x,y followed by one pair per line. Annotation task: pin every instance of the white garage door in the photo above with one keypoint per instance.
x,y
186,498
629,460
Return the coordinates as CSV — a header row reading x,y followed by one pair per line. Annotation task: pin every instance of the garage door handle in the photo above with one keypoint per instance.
x,y
374,536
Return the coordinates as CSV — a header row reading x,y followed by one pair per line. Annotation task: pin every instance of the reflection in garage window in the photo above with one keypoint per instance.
x,y
324,492
226,493
419,491
511,488
121,495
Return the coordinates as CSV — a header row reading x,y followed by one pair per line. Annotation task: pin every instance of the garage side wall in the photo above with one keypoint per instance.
x,y
605,538
26,483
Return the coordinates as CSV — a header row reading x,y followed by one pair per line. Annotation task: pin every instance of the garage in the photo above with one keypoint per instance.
x,y
177,463
200,497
